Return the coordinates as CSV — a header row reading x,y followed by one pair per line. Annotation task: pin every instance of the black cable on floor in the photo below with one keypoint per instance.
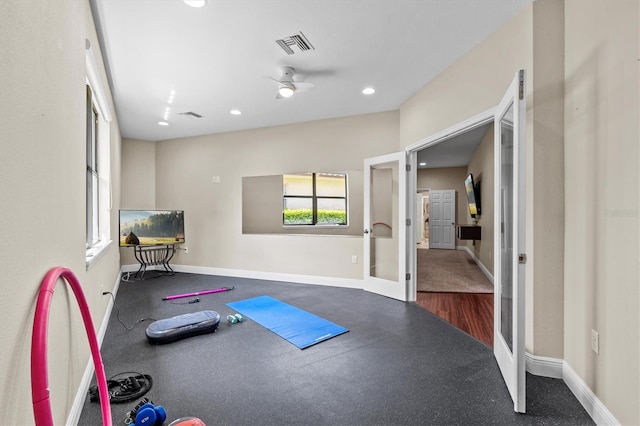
x,y
118,313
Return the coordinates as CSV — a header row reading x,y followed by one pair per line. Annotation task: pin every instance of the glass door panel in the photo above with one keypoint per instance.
x,y
509,237
506,218
385,225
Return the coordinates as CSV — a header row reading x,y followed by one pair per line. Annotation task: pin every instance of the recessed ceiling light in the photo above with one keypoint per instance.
x,y
196,3
163,123
423,164
235,112
368,91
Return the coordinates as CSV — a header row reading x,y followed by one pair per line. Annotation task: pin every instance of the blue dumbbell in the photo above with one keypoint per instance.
x,y
150,415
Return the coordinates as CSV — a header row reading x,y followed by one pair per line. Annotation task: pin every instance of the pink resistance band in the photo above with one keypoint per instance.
x,y
39,373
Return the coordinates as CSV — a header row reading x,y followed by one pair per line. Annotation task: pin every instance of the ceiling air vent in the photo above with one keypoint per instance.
x,y
298,41
191,114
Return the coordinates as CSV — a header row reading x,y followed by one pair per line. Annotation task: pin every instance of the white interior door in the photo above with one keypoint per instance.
x,y
385,229
509,234
442,223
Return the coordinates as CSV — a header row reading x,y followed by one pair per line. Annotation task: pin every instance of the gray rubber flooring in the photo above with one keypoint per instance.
x,y
398,365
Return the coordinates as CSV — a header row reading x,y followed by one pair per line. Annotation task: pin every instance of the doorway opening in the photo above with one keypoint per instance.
x,y
464,299
422,219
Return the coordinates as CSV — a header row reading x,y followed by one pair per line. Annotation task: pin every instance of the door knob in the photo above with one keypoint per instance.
x,y
366,231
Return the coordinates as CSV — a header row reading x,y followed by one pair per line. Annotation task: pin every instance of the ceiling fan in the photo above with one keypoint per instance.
x,y
287,87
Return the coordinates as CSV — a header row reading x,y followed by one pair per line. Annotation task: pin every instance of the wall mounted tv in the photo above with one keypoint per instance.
x,y
151,227
473,196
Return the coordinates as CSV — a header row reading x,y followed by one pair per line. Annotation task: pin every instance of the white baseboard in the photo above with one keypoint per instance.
x,y
591,403
544,366
483,268
78,402
560,369
271,276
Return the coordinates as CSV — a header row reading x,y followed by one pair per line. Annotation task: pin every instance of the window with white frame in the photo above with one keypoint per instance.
x,y
98,189
93,176
314,199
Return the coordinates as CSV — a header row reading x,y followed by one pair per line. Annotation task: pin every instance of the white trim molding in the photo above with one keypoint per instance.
x,y
543,366
470,123
81,395
591,403
559,369
258,275
272,276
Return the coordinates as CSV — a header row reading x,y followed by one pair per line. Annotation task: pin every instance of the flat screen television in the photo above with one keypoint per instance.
x,y
151,227
473,196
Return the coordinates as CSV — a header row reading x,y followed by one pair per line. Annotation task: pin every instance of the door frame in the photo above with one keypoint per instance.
x,y
384,286
478,120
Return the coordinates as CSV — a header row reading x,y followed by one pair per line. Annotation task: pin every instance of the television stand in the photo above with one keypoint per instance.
x,y
157,255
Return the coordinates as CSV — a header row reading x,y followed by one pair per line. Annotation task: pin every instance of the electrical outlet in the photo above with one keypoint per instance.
x,y
354,259
186,250
595,341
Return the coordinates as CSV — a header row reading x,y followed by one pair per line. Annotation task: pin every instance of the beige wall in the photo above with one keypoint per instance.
x,y
42,191
213,211
602,202
474,84
545,177
139,188
481,165
138,174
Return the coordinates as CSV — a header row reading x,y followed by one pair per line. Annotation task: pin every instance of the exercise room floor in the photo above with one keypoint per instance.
x,y
398,365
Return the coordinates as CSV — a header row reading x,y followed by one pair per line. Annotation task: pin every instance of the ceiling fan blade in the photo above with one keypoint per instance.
x,y
271,78
304,86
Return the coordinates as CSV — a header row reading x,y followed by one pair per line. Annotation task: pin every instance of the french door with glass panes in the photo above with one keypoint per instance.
x,y
509,239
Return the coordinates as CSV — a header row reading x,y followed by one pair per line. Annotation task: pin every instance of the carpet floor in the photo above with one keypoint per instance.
x,y
450,271
398,364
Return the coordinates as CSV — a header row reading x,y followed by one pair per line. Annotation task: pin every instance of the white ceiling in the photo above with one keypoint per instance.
x,y
456,152
215,59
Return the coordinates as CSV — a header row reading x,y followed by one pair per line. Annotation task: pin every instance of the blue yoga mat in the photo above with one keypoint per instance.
x,y
301,328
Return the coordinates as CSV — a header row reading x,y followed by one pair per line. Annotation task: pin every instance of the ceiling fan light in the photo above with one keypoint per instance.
x,y
285,91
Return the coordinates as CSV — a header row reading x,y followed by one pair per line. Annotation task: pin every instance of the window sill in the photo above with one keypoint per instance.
x,y
95,253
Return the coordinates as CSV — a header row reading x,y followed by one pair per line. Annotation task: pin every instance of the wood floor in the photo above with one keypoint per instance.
x,y
470,312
